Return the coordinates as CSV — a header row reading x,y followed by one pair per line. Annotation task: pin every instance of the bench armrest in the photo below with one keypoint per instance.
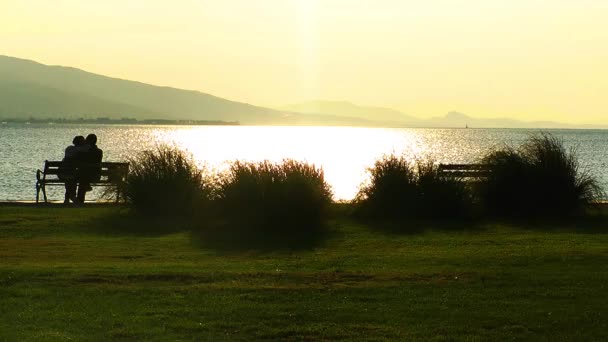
x,y
39,173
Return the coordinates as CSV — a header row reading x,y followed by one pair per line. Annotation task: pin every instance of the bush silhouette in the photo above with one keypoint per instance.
x,y
166,182
391,192
284,202
540,178
439,196
398,189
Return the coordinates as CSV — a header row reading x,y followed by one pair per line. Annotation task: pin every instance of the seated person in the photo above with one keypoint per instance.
x,y
67,171
92,155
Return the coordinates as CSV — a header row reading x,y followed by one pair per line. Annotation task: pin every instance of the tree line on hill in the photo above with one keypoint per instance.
x,y
121,121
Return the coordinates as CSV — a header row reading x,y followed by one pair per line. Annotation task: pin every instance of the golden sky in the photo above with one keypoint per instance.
x,y
522,59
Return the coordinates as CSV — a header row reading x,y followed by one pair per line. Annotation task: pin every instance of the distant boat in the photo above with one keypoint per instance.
x,y
466,126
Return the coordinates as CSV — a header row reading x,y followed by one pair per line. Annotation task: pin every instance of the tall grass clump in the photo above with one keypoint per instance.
x,y
391,192
165,181
398,189
540,178
265,202
439,196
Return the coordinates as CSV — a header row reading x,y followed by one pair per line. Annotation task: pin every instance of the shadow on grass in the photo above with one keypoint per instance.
x,y
420,226
579,225
129,223
224,238
594,220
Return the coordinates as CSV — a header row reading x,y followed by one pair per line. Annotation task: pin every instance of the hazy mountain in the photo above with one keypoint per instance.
x,y
393,118
25,100
30,89
456,119
65,91
348,109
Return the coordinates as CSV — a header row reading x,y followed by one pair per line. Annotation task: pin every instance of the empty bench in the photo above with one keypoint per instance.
x,y
465,171
113,174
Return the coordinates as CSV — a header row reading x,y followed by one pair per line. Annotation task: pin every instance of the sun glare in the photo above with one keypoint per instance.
x,y
340,151
309,41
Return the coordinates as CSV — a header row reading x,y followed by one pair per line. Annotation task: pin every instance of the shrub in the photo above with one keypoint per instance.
x,y
166,182
391,191
267,202
439,196
398,189
540,178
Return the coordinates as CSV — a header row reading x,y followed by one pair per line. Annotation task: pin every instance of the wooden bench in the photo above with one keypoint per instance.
x,y
465,171
112,175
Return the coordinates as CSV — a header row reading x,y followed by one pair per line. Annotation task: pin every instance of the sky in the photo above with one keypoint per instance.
x,y
519,59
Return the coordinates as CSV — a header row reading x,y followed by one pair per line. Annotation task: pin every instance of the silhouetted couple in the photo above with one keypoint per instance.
x,y
80,167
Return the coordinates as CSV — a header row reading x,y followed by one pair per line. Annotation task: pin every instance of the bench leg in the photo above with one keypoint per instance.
x,y
44,193
37,192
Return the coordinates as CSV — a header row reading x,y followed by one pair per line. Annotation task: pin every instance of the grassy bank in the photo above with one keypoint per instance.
x,y
99,273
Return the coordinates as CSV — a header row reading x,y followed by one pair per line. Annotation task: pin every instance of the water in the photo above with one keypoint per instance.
x,y
343,152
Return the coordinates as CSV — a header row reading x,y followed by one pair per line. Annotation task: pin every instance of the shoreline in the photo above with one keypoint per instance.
x,y
32,203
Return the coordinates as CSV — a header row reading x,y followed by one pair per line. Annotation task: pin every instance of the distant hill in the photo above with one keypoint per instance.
x,y
348,109
25,100
460,120
35,89
393,118
30,89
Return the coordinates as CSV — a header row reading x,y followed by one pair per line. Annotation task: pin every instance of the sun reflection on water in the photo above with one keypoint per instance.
x,y
344,153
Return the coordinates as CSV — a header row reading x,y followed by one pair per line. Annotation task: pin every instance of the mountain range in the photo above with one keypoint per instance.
x,y
32,90
348,109
394,118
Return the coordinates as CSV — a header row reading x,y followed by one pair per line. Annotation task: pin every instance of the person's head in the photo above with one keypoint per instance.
x,y
91,139
78,140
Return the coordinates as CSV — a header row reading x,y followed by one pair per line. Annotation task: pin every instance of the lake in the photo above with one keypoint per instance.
x,y
344,153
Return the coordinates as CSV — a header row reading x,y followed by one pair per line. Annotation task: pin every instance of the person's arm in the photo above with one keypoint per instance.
x,y
69,152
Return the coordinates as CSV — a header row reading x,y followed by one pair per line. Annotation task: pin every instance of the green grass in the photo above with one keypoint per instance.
x,y
92,274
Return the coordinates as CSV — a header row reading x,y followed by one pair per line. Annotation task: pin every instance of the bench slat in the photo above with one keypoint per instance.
x,y
465,170
464,167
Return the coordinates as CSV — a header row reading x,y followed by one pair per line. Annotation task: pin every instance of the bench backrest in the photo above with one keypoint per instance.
x,y
465,170
110,171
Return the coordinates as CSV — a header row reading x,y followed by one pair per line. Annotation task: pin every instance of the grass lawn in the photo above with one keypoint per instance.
x,y
97,273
